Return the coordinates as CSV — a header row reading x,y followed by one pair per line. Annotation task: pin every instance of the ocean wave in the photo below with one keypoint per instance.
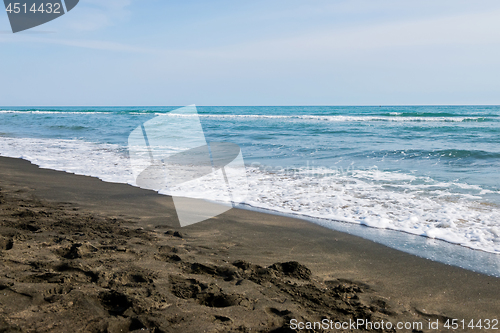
x,y
68,127
340,118
388,117
434,114
446,154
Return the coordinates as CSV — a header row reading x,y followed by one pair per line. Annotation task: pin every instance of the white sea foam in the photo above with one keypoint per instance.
x,y
369,197
103,161
396,117
337,118
391,200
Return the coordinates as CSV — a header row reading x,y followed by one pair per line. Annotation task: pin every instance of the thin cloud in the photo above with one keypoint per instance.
x,y
94,15
465,29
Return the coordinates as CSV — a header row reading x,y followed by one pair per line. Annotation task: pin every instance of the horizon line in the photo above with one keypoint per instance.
x,y
275,105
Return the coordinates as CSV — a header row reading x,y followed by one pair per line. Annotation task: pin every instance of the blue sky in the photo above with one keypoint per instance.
x,y
274,52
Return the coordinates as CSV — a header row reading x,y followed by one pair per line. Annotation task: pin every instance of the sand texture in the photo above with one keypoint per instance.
x,y
81,255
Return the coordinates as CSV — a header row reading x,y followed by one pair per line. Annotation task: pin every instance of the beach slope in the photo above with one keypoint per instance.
x,y
78,254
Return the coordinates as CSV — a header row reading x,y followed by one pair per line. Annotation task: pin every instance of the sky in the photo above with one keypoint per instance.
x,y
272,52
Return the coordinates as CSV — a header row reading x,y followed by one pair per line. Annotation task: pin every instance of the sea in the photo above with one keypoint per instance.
x,y
421,179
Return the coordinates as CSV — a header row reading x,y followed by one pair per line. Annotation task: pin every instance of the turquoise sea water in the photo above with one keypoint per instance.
x,y
430,171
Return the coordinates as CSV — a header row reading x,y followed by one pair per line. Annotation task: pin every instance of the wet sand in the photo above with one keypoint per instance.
x,y
78,254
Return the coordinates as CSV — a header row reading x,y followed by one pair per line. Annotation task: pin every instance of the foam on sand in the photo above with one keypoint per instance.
x,y
373,198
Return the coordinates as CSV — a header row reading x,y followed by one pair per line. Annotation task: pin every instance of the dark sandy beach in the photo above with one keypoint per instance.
x,y
81,255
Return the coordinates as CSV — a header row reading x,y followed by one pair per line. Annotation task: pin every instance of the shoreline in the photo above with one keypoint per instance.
x,y
459,255
407,286
434,249
432,224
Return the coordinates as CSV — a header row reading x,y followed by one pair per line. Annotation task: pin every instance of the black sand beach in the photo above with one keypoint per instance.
x,y
81,255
